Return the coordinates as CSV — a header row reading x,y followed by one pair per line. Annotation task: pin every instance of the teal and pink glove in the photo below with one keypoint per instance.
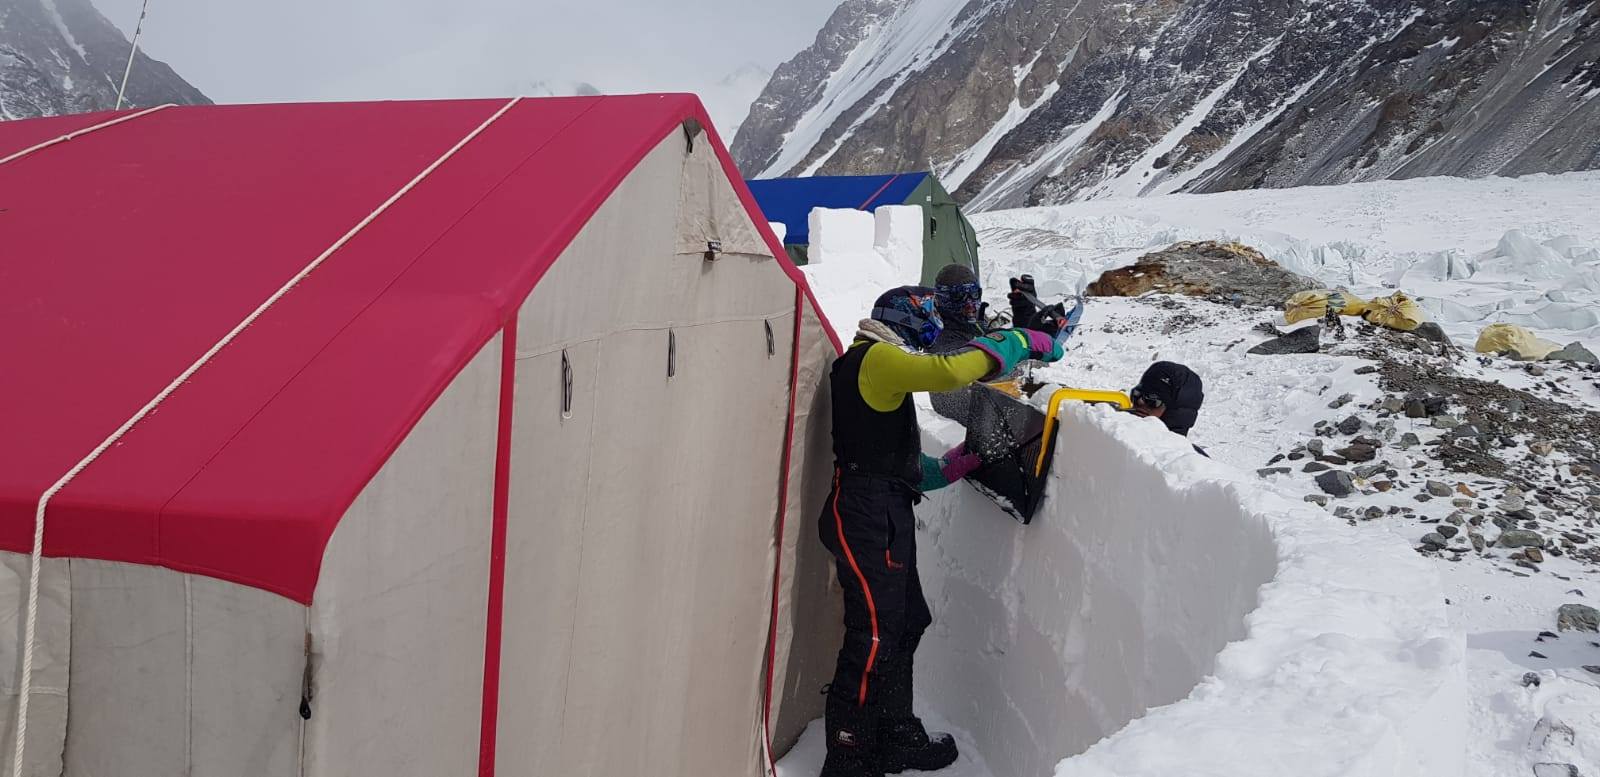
x,y
1010,347
954,465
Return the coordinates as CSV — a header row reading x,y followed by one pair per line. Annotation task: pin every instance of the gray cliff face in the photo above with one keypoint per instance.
x,y
62,56
1022,102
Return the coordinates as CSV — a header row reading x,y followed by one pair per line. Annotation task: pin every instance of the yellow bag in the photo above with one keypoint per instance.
x,y
1309,305
1396,311
1518,342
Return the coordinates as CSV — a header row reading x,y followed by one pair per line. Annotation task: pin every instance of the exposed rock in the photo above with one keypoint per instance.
x,y
1315,466
1344,399
1337,483
1367,471
1534,554
1303,340
1321,500
1438,489
1432,332
1552,769
1577,617
1464,489
1409,440
1520,538
1542,448
1445,422
1268,472
1358,452
1366,369
1416,409
1433,540
1447,531
1574,352
1220,271
1477,541
1315,446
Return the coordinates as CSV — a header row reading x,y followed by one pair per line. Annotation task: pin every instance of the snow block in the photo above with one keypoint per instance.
x,y
780,229
837,233
1164,614
897,236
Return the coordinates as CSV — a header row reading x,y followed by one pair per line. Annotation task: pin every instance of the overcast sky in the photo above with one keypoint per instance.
x,y
244,51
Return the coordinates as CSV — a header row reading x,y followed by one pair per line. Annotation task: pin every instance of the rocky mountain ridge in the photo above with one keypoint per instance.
x,y
63,56
1027,102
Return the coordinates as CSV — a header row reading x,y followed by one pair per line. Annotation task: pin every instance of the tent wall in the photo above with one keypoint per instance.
x,y
640,530
811,611
947,236
397,623
170,673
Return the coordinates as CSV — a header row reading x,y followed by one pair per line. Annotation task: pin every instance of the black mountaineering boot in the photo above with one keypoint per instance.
x,y
905,744
852,740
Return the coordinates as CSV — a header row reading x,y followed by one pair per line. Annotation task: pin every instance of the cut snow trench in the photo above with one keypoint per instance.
x,y
1166,614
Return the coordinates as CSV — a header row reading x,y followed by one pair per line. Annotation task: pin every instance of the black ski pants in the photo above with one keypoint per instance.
x,y
869,526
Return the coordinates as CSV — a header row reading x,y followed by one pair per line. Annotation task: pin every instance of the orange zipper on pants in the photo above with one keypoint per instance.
x,y
872,609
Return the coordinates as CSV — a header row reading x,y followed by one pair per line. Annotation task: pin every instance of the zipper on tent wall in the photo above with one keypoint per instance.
x,y
772,345
566,385
691,128
672,353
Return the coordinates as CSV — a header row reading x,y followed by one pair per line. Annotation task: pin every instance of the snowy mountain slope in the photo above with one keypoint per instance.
x,y
1020,102
62,56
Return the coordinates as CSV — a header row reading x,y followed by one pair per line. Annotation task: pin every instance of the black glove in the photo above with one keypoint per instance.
x,y
1050,320
1024,300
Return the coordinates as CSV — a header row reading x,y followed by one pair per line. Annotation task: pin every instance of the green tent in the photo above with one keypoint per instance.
x,y
947,236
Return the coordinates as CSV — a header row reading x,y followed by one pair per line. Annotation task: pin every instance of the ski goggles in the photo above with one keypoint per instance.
x,y
1142,397
962,298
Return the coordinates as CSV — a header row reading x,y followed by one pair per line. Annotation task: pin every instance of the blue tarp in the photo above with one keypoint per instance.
x,y
789,201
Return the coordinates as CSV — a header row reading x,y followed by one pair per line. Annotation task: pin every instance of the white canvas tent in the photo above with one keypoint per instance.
x,y
514,482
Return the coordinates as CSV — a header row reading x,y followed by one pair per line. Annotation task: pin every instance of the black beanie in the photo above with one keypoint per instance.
x,y
1180,388
955,275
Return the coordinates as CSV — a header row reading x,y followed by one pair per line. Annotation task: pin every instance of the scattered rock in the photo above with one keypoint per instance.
x,y
1577,617
1268,472
1358,452
1344,399
1367,471
1520,538
1477,541
1542,447
1383,485
1574,352
1526,564
1315,466
1514,405
1438,489
1465,491
1445,422
1536,654
1416,409
1534,554
1409,440
1576,538
1530,680
1315,446
1306,340
1351,425
1433,540
1447,531
1337,461
1320,500
1431,331
1336,482
1366,369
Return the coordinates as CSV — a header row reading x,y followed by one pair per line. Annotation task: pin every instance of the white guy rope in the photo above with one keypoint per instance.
x,y
76,133
44,501
132,50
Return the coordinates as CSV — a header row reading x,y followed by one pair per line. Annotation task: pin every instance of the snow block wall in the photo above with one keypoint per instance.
x,y
1164,615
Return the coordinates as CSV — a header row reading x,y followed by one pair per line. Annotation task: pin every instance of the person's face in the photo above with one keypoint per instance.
x,y
1146,411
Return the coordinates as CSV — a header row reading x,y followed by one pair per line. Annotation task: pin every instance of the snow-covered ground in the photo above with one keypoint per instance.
x,y
1476,252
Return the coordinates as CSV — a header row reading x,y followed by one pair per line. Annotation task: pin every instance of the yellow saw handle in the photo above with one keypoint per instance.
x,y
1051,416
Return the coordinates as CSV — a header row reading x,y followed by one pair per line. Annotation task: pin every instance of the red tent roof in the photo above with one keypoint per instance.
x,y
131,250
